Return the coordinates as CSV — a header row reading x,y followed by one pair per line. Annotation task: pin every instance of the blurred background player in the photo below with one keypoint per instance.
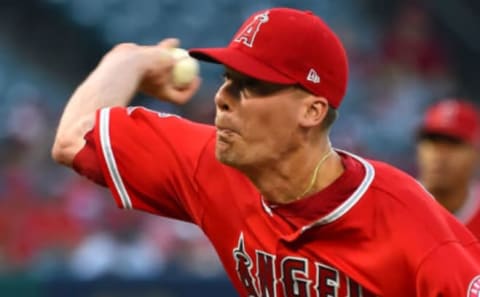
x,y
448,158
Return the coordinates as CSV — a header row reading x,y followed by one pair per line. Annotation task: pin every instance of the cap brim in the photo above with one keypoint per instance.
x,y
241,62
426,132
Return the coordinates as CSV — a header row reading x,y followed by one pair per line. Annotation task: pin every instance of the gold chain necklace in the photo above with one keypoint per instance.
x,y
315,173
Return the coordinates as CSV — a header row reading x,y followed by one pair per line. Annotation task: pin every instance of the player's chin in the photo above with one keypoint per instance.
x,y
224,153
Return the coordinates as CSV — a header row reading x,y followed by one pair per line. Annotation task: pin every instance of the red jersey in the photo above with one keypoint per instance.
x,y
385,236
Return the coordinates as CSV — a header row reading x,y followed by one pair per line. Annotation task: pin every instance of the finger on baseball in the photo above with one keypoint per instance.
x,y
160,55
181,96
169,43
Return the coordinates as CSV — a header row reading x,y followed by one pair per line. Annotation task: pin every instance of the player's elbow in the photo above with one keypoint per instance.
x,y
70,140
61,151
65,148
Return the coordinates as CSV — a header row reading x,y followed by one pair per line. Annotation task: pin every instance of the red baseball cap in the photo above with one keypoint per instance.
x,y
454,118
286,46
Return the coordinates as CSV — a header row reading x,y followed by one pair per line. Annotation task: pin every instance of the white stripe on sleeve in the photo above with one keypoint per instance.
x,y
110,158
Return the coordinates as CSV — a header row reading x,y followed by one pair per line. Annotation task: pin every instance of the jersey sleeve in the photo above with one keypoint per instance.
x,y
86,161
148,160
450,270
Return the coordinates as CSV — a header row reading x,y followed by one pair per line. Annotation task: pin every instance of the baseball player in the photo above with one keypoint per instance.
x,y
448,157
288,214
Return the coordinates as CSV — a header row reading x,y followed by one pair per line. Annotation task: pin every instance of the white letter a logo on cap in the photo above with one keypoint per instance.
x,y
313,76
248,34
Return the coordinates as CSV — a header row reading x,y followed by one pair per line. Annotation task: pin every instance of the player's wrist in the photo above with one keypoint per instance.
x,y
153,61
125,58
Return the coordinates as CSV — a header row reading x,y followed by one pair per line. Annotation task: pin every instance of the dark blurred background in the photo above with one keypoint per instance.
x,y
63,236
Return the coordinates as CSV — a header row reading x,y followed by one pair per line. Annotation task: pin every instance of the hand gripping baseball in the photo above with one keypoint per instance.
x,y
151,68
161,77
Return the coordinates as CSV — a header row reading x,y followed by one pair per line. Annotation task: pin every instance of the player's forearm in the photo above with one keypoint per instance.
x,y
111,84
124,70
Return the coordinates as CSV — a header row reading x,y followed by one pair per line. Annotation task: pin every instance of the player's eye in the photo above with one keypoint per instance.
x,y
263,88
251,83
251,87
233,85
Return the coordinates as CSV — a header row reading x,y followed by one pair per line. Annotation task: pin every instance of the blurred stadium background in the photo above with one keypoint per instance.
x,y
62,236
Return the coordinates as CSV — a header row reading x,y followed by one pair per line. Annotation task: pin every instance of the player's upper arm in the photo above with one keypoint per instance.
x,y
149,159
450,270
68,142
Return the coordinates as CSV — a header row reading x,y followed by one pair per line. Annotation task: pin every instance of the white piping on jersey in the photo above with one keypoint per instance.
x,y
353,199
266,207
110,158
347,204
424,189
469,207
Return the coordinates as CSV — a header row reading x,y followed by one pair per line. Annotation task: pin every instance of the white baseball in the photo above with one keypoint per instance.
x,y
186,68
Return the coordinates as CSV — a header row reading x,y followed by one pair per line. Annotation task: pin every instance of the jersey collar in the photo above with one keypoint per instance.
x,y
343,208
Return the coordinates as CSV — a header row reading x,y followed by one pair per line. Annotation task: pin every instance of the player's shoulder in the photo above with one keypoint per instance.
x,y
385,177
155,116
392,188
388,179
399,207
402,198
141,120
391,179
398,193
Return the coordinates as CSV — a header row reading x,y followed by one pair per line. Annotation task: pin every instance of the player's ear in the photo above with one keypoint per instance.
x,y
313,111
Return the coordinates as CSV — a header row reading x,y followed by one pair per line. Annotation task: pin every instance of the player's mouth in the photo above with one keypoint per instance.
x,y
224,126
225,134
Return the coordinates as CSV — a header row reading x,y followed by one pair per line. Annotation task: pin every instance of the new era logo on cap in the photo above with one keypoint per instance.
x,y
313,76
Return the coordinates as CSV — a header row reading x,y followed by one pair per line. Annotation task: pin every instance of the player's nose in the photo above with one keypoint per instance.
x,y
224,99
